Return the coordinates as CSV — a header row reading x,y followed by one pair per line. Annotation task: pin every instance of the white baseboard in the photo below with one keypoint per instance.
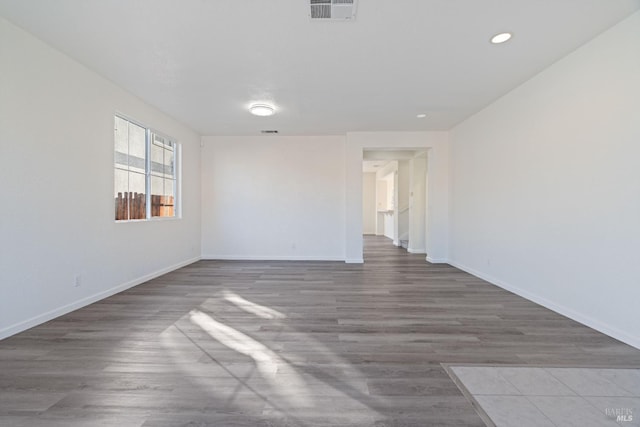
x,y
272,257
586,320
416,251
52,314
437,260
354,261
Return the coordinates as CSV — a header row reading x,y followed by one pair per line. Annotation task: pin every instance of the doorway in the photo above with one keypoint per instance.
x,y
394,197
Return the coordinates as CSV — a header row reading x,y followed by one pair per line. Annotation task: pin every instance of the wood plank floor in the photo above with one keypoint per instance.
x,y
235,343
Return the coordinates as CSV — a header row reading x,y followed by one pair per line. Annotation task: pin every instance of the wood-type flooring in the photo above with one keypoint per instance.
x,y
254,343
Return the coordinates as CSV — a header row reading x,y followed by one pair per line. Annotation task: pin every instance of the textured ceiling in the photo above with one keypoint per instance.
x,y
204,61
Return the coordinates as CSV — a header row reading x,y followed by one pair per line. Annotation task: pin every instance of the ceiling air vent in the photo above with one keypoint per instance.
x,y
333,10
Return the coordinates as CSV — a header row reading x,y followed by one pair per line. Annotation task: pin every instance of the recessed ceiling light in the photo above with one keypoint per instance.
x,y
262,110
500,38
421,116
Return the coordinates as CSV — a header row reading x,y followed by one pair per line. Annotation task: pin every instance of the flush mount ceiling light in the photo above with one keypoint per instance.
x,y
262,110
421,116
500,38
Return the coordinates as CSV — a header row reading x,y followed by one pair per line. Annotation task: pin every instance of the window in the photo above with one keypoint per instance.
x,y
145,183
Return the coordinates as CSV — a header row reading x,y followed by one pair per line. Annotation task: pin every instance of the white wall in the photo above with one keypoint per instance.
x,y
369,210
389,229
404,196
57,218
381,204
546,186
438,206
418,202
272,197
404,184
387,178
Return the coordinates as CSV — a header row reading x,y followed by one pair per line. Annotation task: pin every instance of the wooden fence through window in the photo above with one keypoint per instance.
x,y
134,206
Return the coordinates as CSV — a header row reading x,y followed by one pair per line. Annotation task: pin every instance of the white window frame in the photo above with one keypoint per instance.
x,y
177,168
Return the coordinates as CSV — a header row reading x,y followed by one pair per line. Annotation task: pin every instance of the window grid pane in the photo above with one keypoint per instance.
x,y
121,187
162,177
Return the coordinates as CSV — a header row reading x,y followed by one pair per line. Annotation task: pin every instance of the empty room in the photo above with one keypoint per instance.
x,y
320,213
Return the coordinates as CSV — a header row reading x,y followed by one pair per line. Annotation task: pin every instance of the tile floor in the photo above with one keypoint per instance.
x,y
540,397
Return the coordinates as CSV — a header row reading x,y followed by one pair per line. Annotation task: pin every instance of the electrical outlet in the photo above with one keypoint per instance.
x,y
77,282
